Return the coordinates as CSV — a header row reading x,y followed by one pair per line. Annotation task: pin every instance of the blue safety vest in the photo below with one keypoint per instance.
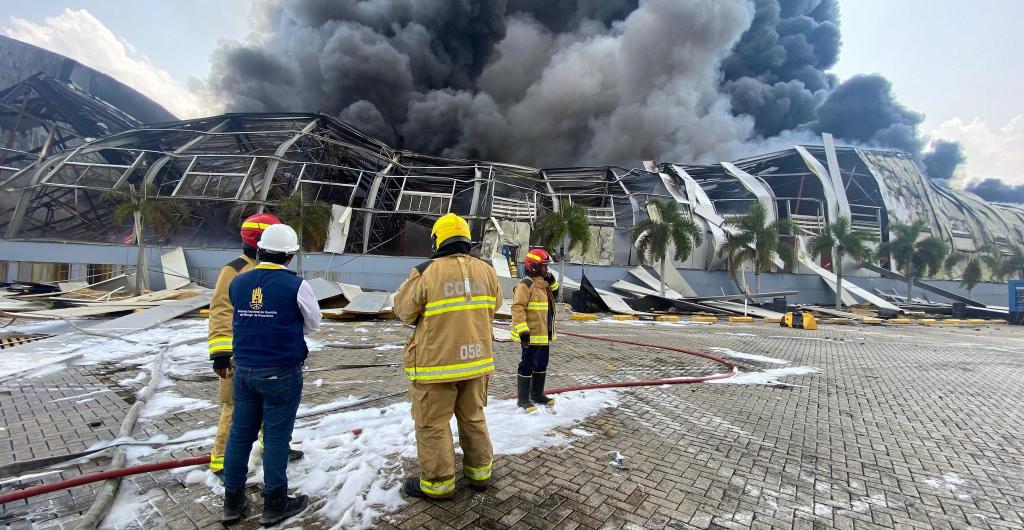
x,y
267,322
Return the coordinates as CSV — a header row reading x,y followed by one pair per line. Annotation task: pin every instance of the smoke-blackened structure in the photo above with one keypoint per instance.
x,y
569,82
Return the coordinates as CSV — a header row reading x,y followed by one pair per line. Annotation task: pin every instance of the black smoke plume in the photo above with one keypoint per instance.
x,y
565,82
863,109
942,159
777,72
997,191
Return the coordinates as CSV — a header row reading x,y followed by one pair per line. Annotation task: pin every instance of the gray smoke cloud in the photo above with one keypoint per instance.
x,y
942,159
567,82
997,191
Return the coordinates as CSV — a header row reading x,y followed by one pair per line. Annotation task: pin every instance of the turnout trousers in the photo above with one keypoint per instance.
x,y
432,407
534,359
225,391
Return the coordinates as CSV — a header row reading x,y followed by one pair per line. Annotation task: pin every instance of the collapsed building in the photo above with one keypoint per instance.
x,y
66,150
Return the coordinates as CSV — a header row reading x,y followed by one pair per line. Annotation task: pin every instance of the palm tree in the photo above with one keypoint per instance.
x,y
953,260
568,224
165,216
653,236
1013,265
992,257
311,222
839,241
912,257
971,276
757,241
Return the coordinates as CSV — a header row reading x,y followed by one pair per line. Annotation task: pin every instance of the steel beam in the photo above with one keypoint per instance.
x,y
268,179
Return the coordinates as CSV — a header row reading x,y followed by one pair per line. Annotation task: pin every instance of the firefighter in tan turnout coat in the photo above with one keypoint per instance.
x,y
451,300
533,327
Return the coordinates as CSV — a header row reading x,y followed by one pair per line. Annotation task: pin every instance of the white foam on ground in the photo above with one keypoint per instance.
x,y
766,377
139,377
166,402
131,510
359,478
748,356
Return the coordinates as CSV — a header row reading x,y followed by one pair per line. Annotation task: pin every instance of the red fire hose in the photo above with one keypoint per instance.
x,y
199,460
102,475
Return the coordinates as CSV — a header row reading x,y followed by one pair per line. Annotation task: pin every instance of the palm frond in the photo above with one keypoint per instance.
x,y
930,254
654,236
788,255
972,275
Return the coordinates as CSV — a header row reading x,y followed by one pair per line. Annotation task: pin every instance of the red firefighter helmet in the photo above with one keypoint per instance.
x,y
254,225
534,258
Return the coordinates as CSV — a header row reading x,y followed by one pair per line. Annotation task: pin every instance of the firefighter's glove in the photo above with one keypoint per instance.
x,y
222,366
524,340
550,278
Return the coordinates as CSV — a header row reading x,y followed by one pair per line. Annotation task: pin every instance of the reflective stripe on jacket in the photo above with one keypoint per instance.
x,y
219,333
452,341
533,310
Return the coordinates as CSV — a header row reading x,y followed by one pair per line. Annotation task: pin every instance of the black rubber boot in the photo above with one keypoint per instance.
x,y
295,455
411,488
478,487
537,390
523,400
235,503
278,506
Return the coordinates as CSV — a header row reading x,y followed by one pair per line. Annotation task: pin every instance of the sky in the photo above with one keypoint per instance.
x,y
956,61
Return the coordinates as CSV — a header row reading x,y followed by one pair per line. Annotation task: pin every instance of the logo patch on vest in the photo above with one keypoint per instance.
x,y
256,301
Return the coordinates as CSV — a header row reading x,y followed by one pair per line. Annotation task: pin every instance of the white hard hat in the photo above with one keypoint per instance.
x,y
279,238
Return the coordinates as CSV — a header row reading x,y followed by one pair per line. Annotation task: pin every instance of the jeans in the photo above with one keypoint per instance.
x,y
268,397
534,359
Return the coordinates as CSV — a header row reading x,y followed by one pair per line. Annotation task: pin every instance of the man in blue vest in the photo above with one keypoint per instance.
x,y
273,309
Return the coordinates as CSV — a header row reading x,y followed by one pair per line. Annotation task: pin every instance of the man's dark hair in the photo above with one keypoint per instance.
x,y
268,256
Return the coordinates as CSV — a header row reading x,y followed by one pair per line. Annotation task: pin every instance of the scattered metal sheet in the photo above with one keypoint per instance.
x,y
67,287
123,282
350,291
832,312
501,334
674,280
615,303
175,269
156,315
337,230
87,311
325,290
13,305
632,288
740,309
808,262
368,303
505,311
648,279
740,296
67,347
926,286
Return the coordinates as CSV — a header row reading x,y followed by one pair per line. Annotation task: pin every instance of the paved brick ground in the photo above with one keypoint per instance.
x,y
905,427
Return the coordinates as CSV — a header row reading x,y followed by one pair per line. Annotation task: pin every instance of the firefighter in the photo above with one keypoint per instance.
x,y
273,310
533,327
219,331
451,299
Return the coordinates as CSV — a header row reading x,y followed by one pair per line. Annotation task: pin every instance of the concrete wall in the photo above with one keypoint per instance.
x,y
388,272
